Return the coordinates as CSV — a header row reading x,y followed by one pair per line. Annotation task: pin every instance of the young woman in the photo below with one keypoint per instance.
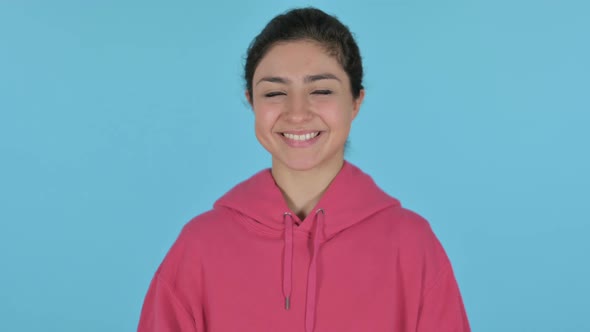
x,y
311,244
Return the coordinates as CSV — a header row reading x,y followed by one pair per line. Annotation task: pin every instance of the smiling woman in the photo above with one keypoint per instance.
x,y
312,243
303,107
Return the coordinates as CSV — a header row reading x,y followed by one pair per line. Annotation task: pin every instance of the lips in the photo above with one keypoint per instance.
x,y
301,137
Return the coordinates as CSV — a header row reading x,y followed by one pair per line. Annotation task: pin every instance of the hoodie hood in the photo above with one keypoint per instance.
x,y
351,197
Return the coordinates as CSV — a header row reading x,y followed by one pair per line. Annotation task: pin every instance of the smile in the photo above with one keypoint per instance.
x,y
305,137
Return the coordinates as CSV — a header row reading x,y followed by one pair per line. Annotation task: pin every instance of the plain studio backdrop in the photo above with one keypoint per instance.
x,y
122,120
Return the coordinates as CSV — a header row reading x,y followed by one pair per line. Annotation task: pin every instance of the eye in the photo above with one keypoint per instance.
x,y
274,94
322,92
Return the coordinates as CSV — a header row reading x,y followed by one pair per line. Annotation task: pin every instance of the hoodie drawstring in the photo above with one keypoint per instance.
x,y
310,308
288,259
313,272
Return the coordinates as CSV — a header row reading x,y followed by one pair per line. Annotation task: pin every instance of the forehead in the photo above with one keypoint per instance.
x,y
298,58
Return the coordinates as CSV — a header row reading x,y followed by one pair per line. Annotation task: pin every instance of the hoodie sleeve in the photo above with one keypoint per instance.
x,y
434,296
442,307
173,302
162,310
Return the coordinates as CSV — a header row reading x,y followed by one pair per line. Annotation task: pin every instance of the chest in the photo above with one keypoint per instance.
x,y
359,287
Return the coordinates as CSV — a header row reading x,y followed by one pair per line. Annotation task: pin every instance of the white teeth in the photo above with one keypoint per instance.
x,y
304,137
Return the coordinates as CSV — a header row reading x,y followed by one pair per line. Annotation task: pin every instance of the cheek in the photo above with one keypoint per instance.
x,y
335,113
265,116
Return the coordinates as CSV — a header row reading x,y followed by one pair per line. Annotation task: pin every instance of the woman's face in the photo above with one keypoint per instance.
x,y
303,106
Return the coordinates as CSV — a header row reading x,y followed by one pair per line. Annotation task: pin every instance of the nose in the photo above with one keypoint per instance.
x,y
298,109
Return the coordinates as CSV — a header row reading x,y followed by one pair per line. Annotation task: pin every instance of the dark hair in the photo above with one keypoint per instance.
x,y
308,24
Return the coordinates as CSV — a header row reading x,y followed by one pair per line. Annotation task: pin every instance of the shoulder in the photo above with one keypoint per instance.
x,y
193,241
407,223
414,239
203,224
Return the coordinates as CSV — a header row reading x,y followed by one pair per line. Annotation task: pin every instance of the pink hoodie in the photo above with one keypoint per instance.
x,y
359,262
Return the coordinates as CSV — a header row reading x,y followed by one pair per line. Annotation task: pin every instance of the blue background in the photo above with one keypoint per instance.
x,y
121,120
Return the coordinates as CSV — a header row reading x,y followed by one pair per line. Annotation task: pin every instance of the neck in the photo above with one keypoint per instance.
x,y
302,190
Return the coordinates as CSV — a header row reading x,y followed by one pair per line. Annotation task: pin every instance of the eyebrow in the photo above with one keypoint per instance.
x,y
319,77
307,79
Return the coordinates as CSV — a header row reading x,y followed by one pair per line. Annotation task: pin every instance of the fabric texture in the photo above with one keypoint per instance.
x,y
358,262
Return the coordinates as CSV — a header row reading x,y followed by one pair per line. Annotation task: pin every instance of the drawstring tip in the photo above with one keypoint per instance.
x,y
287,303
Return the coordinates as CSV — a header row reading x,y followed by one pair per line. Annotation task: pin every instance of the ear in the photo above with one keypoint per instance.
x,y
248,98
356,107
